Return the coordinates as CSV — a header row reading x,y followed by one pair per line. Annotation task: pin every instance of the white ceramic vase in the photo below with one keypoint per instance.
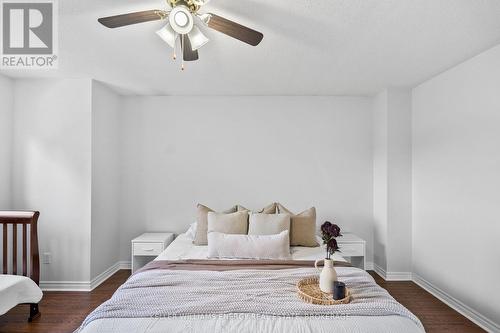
x,y
327,275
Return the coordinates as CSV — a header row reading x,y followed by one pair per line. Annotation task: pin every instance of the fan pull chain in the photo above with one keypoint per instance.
x,y
174,56
182,50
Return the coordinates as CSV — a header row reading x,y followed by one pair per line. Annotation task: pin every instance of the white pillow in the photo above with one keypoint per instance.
x,y
249,246
191,232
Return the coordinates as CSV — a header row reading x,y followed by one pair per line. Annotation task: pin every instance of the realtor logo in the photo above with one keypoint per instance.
x,y
29,37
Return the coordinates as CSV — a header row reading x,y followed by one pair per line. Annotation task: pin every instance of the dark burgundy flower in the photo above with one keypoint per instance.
x,y
334,230
329,231
325,227
332,245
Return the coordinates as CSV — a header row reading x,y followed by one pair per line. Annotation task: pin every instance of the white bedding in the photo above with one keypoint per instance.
x,y
16,290
243,323
182,248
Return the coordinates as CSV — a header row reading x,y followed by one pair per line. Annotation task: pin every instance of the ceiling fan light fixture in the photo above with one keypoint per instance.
x,y
197,38
181,20
168,35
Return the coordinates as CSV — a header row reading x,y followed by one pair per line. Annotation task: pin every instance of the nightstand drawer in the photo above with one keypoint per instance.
x,y
147,249
351,250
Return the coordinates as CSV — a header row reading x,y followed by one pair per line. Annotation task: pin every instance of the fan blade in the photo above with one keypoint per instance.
x,y
132,18
188,54
235,30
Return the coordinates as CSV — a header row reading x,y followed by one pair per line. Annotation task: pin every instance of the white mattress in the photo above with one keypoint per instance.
x,y
16,290
183,248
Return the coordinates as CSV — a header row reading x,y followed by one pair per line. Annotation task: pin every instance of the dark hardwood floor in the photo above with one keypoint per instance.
x,y
434,314
62,312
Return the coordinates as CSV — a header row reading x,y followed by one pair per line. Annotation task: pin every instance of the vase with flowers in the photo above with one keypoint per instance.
x,y
328,275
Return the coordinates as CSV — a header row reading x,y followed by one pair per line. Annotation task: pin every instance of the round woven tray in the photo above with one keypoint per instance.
x,y
308,290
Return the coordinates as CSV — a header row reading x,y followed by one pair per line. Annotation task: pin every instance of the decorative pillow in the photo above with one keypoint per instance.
x,y
268,224
240,208
302,227
191,232
270,209
249,246
202,223
234,223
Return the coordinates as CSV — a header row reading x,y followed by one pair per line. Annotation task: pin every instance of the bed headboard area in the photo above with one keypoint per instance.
x,y
20,242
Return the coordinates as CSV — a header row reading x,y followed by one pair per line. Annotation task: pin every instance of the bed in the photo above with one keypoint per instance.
x,y
182,291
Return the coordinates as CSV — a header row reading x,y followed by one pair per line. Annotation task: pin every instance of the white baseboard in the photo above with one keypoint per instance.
x,y
65,285
125,265
457,305
398,276
379,270
104,276
392,276
84,285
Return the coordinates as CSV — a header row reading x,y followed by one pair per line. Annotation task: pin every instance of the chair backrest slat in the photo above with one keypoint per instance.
x,y
14,249
5,249
25,271
30,256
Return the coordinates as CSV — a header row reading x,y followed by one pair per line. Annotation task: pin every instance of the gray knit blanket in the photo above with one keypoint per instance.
x,y
166,293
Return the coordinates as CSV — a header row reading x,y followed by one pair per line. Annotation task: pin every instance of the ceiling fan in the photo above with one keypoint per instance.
x,y
182,23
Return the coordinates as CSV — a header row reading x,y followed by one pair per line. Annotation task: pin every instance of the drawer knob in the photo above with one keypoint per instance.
x,y
148,249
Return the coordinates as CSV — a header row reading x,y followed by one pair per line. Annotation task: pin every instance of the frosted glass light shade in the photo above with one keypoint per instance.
x,y
205,18
197,38
168,35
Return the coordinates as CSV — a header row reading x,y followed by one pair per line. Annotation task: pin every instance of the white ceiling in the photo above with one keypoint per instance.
x,y
310,47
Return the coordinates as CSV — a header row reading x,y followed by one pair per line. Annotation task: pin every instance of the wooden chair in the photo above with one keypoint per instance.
x,y
28,222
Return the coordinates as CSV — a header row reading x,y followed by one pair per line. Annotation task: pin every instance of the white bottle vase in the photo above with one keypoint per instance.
x,y
327,275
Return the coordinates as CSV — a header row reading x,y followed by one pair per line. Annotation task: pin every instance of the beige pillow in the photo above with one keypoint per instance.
x,y
270,209
202,223
268,224
302,227
234,223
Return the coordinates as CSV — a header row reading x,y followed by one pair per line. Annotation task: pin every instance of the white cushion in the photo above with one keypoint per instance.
x,y
16,290
268,224
249,246
191,232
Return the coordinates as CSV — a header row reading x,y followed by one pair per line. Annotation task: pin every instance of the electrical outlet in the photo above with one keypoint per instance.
x,y
47,257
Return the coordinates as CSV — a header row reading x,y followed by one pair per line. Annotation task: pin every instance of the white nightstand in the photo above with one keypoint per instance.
x,y
353,249
148,246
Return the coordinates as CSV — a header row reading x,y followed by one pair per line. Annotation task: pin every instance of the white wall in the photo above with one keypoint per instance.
x,y
456,182
380,178
392,183
105,179
6,112
399,186
301,151
52,170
